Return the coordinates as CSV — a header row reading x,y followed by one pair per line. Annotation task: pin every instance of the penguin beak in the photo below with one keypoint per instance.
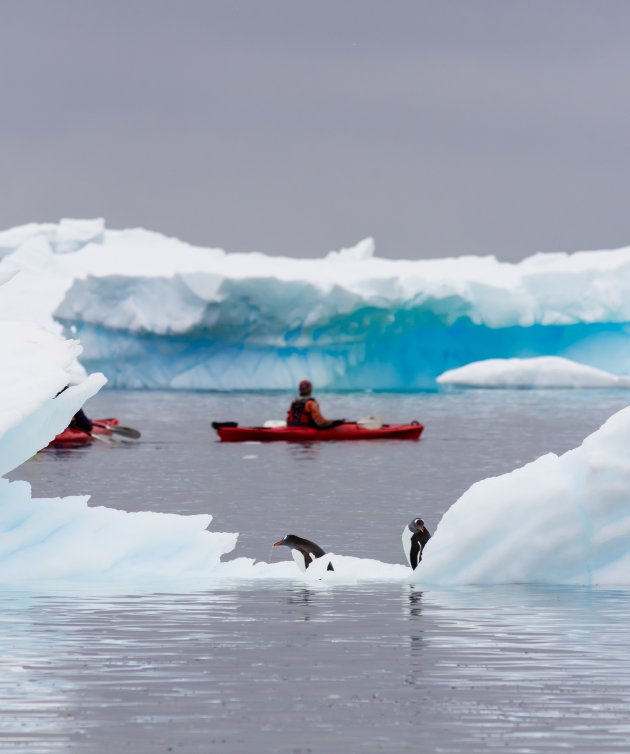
x,y
278,544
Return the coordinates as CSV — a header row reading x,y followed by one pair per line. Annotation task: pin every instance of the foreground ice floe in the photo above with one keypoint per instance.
x,y
36,365
557,520
541,372
348,320
64,539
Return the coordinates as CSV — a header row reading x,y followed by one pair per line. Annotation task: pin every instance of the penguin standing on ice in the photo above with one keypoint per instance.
x,y
303,550
414,537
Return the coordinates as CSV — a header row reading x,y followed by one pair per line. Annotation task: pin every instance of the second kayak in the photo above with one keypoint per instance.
x,y
72,436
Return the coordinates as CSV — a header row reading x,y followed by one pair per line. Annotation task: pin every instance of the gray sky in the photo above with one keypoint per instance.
x,y
292,127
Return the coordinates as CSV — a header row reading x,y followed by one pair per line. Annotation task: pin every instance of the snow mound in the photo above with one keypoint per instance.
x,y
540,372
557,520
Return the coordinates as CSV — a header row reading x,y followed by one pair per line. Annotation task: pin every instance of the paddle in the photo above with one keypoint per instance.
x,y
371,422
100,438
118,430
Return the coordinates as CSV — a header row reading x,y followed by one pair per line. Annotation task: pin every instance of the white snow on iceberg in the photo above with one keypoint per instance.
x,y
64,539
36,366
557,520
540,372
153,311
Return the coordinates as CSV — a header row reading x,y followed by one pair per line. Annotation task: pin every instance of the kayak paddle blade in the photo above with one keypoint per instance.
x,y
122,431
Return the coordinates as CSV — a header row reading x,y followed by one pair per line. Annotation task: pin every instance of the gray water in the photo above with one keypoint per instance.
x,y
284,668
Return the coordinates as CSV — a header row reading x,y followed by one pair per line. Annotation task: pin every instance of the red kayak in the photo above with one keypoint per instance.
x,y
231,432
71,436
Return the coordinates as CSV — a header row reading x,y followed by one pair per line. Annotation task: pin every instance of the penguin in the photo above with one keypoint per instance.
x,y
303,550
414,538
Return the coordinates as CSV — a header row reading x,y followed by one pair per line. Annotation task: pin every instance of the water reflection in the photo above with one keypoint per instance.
x,y
383,666
300,597
412,601
304,451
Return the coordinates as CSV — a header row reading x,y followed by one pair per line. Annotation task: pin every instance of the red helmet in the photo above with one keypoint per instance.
x,y
305,387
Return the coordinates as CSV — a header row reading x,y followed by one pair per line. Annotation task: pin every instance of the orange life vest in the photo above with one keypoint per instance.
x,y
299,415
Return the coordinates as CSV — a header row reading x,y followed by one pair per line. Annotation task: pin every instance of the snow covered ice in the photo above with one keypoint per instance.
x,y
557,520
350,319
541,372
64,539
36,366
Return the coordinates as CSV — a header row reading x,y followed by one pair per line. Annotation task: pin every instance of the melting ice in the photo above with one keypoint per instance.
x,y
349,320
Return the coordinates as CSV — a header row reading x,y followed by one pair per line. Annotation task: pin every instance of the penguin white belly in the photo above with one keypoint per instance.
x,y
406,543
299,559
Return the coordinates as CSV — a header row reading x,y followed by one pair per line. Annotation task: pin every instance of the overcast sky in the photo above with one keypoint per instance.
x,y
293,127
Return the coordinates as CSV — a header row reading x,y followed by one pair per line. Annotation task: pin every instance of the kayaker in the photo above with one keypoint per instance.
x,y
305,412
81,421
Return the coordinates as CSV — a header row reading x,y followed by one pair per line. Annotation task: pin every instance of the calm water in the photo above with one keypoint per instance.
x,y
284,668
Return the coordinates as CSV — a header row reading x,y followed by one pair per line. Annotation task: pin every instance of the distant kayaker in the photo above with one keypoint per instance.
x,y
304,411
81,421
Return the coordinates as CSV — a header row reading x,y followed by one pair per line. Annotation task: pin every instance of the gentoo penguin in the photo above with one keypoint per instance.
x,y
304,551
414,537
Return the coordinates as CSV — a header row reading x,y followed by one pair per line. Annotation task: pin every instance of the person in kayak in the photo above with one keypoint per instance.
x,y
81,421
305,412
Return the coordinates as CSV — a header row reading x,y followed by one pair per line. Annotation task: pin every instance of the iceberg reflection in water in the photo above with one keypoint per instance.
x,y
534,669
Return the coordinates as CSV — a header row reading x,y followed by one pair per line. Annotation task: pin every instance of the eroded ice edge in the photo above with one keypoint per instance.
x,y
152,311
543,372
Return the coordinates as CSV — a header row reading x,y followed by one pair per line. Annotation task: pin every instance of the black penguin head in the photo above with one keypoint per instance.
x,y
290,540
417,525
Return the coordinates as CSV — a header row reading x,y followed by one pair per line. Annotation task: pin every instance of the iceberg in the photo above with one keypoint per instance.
x,y
541,372
51,540
155,312
37,365
558,520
